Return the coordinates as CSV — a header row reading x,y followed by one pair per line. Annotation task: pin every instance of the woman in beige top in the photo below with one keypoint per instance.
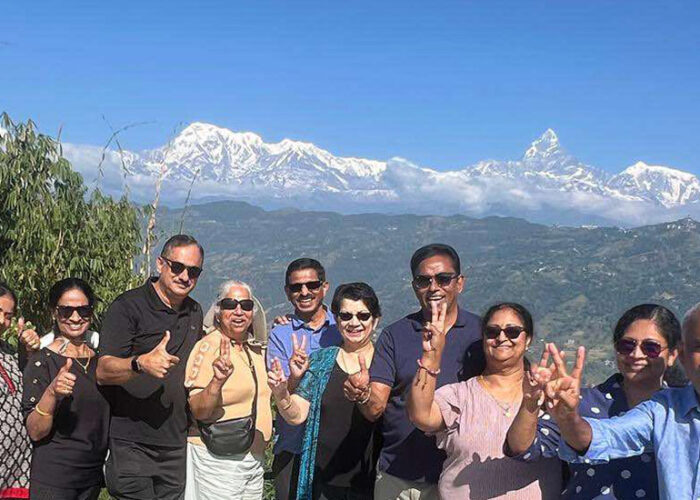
x,y
471,419
221,386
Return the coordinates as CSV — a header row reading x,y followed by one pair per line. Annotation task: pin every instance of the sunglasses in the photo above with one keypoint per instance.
x,y
650,348
512,332
177,268
65,312
228,304
310,285
441,279
362,316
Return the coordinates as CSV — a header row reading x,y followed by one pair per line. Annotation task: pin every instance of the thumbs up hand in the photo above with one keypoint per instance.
x,y
27,335
64,381
158,362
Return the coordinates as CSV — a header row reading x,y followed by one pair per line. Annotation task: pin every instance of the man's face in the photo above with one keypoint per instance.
x,y
305,291
7,312
430,268
182,283
690,355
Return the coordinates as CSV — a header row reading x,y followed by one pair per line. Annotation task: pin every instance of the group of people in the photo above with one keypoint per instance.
x,y
444,404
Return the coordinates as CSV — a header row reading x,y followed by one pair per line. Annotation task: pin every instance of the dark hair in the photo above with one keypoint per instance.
x,y
6,290
180,240
67,284
305,263
356,291
520,311
666,322
431,251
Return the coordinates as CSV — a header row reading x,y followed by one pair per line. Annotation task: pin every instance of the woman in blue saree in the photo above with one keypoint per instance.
x,y
338,457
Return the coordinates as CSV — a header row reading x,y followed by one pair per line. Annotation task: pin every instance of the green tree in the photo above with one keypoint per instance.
x,y
51,228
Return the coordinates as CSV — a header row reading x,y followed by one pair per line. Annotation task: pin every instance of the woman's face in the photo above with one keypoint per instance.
x,y
235,322
355,322
501,350
7,312
73,314
637,366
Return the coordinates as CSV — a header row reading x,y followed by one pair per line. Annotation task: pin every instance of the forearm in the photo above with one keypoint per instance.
x,y
576,432
523,429
291,408
205,403
112,370
421,406
374,408
38,425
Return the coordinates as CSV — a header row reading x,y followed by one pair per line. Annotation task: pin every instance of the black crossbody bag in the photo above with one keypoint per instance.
x,y
235,435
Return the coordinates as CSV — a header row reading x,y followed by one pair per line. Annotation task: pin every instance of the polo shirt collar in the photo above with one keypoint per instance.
x,y
688,400
298,323
416,319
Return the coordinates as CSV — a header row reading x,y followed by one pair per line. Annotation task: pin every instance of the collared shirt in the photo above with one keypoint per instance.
x,y
669,425
622,479
147,410
289,437
407,452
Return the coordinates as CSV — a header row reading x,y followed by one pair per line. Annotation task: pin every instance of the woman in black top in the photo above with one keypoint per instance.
x,y
67,417
338,457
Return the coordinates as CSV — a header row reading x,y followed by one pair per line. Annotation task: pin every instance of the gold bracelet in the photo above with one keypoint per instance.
x,y
288,406
42,412
366,399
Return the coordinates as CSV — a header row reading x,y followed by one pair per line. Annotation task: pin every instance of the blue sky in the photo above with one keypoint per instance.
x,y
443,84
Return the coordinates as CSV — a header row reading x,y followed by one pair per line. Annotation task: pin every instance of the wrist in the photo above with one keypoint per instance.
x,y
431,361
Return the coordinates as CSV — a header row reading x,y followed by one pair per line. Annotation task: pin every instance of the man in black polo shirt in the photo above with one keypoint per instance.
x,y
410,463
147,336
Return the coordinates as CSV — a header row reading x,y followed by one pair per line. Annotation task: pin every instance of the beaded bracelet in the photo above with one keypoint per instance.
x,y
434,373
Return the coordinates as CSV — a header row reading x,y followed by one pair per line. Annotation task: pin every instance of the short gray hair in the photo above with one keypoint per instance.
x,y
224,288
690,320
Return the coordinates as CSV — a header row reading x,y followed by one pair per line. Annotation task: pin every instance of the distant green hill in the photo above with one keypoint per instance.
x,y
576,281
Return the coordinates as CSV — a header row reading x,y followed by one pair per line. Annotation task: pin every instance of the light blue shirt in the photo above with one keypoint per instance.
x,y
290,437
669,425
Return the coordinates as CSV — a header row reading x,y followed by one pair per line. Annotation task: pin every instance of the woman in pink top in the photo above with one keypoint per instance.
x,y
471,418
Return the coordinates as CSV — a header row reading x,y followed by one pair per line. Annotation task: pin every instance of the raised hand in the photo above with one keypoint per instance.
x,y
277,380
537,378
27,335
299,362
434,331
63,383
222,366
563,392
158,362
356,385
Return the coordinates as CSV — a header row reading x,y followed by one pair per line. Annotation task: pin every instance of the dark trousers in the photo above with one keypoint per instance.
x,y
327,492
137,471
40,491
285,469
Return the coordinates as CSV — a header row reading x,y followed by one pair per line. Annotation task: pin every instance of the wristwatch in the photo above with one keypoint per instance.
x,y
135,366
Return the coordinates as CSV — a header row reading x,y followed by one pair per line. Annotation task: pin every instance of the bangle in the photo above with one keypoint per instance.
x,y
288,406
42,412
365,400
434,373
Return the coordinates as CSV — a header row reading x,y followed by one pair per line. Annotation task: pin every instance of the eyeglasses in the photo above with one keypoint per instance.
x,y
650,348
65,312
347,316
310,285
177,268
229,304
441,279
512,332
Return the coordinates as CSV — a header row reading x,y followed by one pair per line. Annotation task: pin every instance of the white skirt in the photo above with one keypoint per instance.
x,y
210,477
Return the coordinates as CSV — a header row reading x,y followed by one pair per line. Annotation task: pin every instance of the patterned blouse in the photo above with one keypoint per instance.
x,y
15,448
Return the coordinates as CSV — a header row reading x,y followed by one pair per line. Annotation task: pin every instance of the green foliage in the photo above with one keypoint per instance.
x,y
51,229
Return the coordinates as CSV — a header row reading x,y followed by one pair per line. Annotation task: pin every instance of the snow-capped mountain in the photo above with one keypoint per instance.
x,y
205,161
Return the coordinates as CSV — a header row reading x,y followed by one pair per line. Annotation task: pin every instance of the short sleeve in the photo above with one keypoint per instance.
x,y
546,442
35,381
118,331
448,400
383,367
275,349
199,371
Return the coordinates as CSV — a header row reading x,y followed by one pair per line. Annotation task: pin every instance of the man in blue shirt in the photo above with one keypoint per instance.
x,y
410,463
668,424
310,328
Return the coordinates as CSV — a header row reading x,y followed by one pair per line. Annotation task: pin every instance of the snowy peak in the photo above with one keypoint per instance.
x,y
664,185
546,146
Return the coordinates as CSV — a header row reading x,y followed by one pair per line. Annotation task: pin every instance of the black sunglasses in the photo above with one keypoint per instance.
x,y
177,268
347,316
65,312
650,348
310,285
511,331
229,304
441,279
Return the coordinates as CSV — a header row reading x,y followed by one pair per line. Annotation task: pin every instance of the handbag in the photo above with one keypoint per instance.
x,y
235,435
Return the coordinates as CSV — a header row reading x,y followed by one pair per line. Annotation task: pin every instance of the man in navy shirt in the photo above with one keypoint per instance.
x,y
310,328
410,462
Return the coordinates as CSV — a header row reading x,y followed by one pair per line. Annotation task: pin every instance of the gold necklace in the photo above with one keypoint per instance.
x,y
505,407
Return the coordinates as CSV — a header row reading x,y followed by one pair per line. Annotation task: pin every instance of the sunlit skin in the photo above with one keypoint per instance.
x,y
7,312
307,303
72,328
435,294
502,352
689,355
356,334
172,288
234,323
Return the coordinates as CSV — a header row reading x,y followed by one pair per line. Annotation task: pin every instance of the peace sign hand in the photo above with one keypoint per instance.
x,y
434,331
299,362
222,366
563,392
537,378
277,380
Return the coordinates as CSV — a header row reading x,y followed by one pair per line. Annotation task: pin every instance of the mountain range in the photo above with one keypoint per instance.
x,y
548,184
